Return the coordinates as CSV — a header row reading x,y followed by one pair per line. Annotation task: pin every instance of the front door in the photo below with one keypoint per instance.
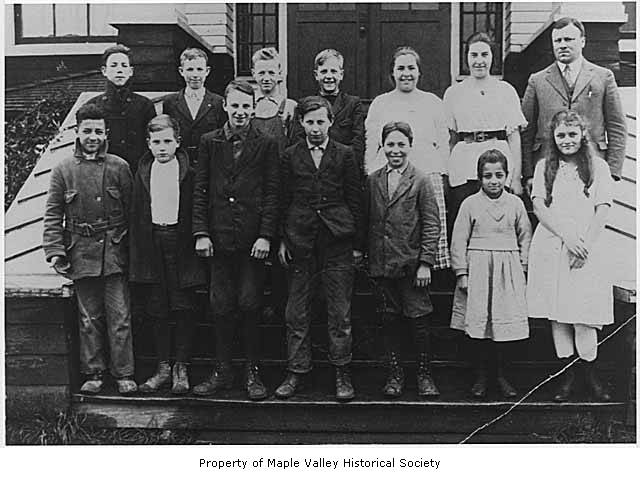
x,y
367,34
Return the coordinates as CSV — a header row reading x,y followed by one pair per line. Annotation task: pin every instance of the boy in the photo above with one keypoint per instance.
x,y
235,213
126,113
322,228
404,228
348,123
161,250
196,109
274,112
85,225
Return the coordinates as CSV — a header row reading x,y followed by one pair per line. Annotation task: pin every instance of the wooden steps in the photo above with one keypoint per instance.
x,y
314,416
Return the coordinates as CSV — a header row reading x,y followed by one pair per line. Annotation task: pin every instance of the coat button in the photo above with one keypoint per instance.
x,y
98,198
232,199
101,241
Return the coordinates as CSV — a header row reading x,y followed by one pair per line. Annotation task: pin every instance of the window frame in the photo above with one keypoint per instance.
x,y
21,40
241,71
498,41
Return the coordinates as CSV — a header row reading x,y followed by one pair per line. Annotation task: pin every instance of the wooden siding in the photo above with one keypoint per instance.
x,y
522,21
215,23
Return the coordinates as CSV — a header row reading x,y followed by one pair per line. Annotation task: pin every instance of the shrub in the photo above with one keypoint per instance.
x,y
27,136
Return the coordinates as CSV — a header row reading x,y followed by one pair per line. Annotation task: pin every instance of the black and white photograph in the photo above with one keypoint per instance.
x,y
320,224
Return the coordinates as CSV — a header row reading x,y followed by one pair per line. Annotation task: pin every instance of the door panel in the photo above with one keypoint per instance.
x,y
367,35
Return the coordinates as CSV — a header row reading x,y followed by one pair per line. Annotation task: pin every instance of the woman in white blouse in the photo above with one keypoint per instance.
x,y
483,113
424,112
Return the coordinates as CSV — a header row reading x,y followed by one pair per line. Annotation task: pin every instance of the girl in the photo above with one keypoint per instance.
x,y
404,229
569,282
489,248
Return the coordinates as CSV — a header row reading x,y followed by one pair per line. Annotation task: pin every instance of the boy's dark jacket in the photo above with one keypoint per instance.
x,y
144,264
86,216
403,231
329,195
127,115
347,127
210,117
236,202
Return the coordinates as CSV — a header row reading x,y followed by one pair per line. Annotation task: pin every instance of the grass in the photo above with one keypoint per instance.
x,y
68,428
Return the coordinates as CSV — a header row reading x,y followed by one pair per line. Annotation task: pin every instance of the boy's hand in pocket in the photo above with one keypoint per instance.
x,y
463,282
61,265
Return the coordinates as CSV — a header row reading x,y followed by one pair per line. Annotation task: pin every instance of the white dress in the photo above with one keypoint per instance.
x,y
554,291
494,108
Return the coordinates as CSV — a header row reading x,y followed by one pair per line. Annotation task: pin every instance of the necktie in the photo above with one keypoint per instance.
x,y
316,155
568,76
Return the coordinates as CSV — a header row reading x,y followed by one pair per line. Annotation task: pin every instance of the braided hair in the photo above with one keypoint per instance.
x,y
584,156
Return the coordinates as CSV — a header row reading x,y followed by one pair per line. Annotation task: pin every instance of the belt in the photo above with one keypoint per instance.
x,y
165,227
89,229
480,136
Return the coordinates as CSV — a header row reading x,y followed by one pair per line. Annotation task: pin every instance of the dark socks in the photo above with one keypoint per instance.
x,y
185,330
162,337
225,329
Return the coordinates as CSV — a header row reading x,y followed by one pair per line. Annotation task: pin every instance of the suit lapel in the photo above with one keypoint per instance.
x,y
338,105
555,80
405,183
248,151
583,80
145,172
205,106
182,105
381,185
326,156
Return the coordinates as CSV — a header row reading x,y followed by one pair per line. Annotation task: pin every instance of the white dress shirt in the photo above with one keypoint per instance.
x,y
194,100
164,188
317,150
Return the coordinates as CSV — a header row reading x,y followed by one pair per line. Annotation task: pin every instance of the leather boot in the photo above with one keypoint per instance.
x,y
160,379
426,385
93,385
344,387
292,383
126,385
395,379
255,388
479,387
565,381
599,391
180,379
220,379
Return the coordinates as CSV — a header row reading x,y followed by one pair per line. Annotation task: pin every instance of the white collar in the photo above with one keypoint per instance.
x,y
191,93
400,171
322,146
576,66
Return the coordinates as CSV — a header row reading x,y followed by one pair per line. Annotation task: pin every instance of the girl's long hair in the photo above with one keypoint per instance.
x,y
584,156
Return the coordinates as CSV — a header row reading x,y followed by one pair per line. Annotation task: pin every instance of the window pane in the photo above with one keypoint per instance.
x,y
99,13
394,6
425,6
257,29
270,34
257,7
342,6
270,8
71,19
37,20
312,6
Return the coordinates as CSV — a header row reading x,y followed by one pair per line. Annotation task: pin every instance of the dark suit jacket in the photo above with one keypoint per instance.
x,y
144,265
329,195
211,116
595,98
403,230
127,115
347,127
236,202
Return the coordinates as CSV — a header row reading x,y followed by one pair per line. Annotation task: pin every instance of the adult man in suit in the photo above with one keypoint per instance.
x,y
574,83
196,109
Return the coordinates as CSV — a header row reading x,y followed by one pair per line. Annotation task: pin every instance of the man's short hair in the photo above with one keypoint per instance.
x,y
266,54
566,21
313,103
192,54
239,85
119,48
162,122
89,111
324,55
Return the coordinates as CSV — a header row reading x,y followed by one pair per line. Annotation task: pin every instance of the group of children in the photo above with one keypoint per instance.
x,y
217,186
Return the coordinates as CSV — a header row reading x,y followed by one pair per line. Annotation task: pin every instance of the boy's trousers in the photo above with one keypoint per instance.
x,y
105,318
328,265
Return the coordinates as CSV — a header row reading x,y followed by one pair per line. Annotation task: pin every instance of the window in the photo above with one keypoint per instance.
x,y
63,23
257,27
481,17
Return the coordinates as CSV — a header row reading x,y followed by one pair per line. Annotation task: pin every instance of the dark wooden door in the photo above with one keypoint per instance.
x,y
367,34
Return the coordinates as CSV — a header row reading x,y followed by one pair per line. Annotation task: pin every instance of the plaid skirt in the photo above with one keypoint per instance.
x,y
443,260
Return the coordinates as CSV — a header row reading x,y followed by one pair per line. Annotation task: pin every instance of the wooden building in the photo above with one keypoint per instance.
x,y
64,45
